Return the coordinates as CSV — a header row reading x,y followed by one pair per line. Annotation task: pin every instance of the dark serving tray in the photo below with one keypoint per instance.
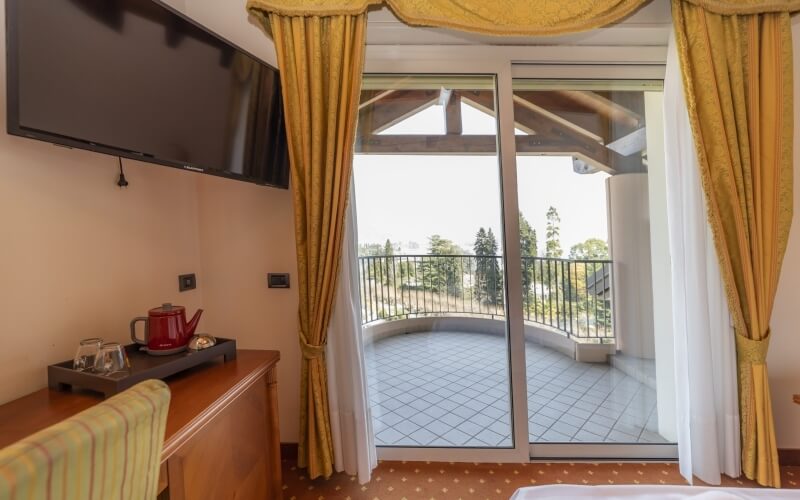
x,y
61,376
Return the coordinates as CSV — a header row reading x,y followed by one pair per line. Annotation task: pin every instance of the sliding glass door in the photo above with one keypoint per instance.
x,y
590,195
513,262
431,267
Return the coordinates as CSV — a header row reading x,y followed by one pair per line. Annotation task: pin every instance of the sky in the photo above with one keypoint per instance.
x,y
409,198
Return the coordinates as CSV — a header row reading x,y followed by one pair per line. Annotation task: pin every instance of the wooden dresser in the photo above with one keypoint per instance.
x,y
222,439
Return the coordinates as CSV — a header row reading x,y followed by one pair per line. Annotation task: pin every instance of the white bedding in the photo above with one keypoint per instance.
x,y
645,492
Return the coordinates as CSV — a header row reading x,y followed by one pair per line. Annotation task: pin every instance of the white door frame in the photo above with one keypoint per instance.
x,y
505,63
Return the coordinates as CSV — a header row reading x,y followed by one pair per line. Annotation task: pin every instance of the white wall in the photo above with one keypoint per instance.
x,y
80,257
784,350
245,232
629,247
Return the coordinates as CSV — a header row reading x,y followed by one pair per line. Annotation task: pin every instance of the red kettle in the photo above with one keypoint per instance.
x,y
165,329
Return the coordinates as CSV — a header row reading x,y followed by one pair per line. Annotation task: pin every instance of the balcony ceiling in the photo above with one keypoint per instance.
x,y
582,124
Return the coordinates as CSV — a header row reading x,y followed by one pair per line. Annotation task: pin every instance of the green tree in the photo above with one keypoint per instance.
x,y
370,249
529,247
591,249
495,277
443,274
374,268
589,300
480,242
553,244
480,248
488,276
387,263
442,246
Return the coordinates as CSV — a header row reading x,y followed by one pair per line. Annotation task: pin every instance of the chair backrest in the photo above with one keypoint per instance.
x,y
111,451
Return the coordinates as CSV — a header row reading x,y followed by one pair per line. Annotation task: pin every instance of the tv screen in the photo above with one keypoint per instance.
x,y
134,78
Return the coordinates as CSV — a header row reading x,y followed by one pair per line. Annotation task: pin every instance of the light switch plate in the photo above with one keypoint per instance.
x,y
187,282
278,280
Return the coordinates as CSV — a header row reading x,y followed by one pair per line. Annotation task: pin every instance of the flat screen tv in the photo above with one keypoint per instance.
x,y
134,78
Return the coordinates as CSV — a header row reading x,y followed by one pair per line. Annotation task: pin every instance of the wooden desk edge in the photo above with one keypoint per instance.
x,y
185,433
58,406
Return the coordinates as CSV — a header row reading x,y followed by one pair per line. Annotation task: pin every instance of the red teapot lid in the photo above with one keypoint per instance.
x,y
166,309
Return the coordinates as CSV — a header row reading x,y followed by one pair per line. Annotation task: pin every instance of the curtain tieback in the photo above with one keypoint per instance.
x,y
311,351
752,352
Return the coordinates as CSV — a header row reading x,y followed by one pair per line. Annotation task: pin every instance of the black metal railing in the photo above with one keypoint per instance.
x,y
572,296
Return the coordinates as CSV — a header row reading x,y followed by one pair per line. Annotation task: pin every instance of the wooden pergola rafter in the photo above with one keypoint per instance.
x,y
581,124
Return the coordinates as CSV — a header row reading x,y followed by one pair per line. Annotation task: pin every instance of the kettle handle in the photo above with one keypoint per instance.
x,y
146,331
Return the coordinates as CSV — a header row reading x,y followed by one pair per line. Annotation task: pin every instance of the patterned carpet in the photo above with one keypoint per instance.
x,y
445,481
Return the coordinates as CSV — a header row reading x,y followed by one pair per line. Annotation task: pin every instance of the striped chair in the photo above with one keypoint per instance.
x,y
108,452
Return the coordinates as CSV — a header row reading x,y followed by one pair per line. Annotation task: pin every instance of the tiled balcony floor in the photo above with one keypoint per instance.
x,y
445,389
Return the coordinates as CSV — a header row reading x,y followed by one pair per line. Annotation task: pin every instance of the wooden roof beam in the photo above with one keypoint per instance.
x,y
455,145
604,107
580,117
452,112
370,96
393,108
484,101
549,135
446,145
522,103
592,151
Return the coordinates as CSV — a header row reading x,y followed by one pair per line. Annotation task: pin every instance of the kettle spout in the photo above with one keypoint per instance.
x,y
192,324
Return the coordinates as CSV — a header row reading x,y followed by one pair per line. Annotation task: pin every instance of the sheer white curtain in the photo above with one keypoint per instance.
x,y
705,356
351,422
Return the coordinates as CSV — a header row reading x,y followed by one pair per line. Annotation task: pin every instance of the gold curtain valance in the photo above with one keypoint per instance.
x,y
307,8
507,17
740,7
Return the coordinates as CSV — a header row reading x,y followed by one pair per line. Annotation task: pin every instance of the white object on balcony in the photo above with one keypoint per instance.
x,y
629,244
705,357
632,143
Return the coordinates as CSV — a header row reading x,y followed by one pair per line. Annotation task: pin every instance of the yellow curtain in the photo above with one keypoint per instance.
x,y
321,60
739,7
737,72
491,17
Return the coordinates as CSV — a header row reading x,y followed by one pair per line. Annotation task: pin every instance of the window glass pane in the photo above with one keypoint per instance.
x,y
428,203
589,300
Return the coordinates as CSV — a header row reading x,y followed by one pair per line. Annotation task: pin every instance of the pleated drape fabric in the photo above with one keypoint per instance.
x,y
320,60
111,451
737,72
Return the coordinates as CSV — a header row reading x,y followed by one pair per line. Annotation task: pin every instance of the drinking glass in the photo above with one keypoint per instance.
x,y
86,354
111,359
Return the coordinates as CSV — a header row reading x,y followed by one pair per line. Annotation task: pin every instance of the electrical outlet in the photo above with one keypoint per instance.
x,y
187,282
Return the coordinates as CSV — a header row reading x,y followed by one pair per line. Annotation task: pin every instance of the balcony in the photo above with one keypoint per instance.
x,y
570,298
434,329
